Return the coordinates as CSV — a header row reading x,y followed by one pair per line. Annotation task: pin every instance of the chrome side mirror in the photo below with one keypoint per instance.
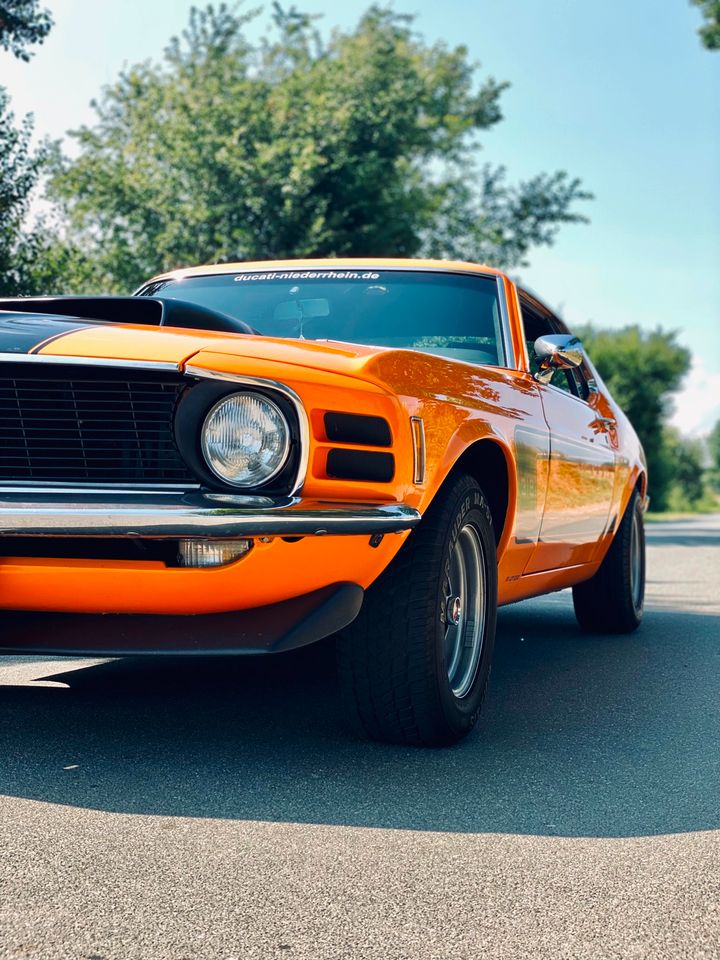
x,y
559,351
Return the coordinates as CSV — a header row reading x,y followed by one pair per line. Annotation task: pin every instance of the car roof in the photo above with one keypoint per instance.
x,y
369,263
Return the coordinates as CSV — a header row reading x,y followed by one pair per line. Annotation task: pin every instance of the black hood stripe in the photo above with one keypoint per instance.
x,y
58,336
28,333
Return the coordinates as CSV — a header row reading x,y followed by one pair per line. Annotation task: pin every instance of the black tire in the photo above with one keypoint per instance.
x,y
612,601
392,660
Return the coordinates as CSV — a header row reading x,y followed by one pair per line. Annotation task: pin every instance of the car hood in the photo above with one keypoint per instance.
x,y
62,337
405,372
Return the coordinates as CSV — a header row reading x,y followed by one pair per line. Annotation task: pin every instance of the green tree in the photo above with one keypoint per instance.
x,y
22,23
710,31
359,144
688,468
714,445
643,369
20,168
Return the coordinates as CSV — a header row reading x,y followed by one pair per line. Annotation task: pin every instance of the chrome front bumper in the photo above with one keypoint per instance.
x,y
194,515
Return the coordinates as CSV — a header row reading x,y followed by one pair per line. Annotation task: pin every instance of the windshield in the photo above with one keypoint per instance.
x,y
452,315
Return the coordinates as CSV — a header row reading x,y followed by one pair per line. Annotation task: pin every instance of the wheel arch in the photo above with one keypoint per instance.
x,y
638,480
491,465
641,483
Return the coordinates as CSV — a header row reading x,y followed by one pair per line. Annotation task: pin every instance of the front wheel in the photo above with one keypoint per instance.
x,y
415,664
612,600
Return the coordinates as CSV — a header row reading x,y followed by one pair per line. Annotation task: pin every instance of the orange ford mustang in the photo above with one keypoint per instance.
x,y
249,457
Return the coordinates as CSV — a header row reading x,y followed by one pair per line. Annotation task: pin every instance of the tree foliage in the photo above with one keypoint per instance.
x,y
687,457
714,445
642,370
33,260
710,31
713,449
356,145
22,24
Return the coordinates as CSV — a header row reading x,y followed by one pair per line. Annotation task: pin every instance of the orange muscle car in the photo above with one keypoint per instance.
x,y
249,457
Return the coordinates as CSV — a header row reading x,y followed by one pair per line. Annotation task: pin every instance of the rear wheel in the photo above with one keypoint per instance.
x,y
415,664
612,601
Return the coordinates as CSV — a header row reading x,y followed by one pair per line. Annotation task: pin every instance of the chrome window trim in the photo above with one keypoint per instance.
x,y
303,421
505,322
539,303
522,293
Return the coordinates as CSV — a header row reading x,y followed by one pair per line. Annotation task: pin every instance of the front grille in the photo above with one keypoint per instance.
x,y
75,424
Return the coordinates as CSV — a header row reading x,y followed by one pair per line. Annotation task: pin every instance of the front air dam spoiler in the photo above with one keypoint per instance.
x,y
271,629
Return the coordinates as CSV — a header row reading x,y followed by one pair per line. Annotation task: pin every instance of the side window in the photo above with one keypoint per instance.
x,y
537,325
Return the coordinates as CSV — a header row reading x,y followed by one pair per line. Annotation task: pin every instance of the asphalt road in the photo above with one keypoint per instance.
x,y
217,811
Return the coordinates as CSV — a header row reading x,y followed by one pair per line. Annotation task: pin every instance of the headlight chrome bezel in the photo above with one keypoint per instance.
x,y
252,484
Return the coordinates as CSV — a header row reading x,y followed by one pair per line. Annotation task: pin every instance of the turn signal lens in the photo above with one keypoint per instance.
x,y
245,439
211,553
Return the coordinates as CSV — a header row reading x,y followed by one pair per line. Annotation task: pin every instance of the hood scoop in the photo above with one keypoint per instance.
x,y
148,311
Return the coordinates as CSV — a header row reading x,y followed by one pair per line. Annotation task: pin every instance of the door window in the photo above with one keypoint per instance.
x,y
537,325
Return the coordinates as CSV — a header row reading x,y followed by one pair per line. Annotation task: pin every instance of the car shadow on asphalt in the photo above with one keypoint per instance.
x,y
581,736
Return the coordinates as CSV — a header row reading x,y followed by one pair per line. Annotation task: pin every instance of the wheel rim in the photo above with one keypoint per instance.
x,y
464,611
635,563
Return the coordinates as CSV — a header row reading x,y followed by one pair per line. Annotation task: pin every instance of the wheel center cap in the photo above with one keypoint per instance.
x,y
454,610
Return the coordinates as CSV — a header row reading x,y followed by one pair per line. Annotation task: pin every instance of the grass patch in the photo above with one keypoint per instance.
x,y
651,517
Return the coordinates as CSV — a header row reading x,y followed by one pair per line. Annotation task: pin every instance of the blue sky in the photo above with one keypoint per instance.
x,y
619,93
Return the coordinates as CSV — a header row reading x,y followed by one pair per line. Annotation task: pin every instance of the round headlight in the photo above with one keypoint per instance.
x,y
245,439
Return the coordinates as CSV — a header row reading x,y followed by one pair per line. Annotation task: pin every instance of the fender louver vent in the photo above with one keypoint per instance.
x,y
364,430
361,465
